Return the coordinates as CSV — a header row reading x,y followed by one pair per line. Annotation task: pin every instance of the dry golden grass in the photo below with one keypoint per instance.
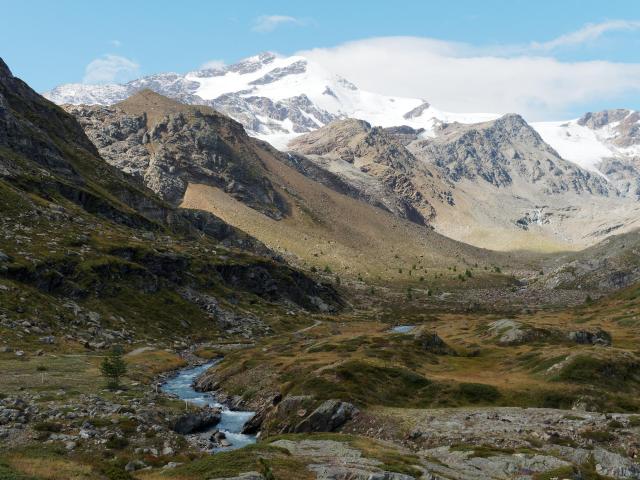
x,y
147,364
350,237
522,373
48,468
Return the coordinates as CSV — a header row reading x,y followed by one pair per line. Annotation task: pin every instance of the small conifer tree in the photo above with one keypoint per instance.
x,y
113,367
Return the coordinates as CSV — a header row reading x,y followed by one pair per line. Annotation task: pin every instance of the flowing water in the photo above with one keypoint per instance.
x,y
403,328
231,422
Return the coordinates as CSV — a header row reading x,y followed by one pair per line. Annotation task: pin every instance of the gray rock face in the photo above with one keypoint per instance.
x,y
328,417
501,150
619,129
585,337
301,414
339,461
377,165
512,332
625,125
197,421
624,173
251,111
609,265
416,112
175,147
246,325
278,73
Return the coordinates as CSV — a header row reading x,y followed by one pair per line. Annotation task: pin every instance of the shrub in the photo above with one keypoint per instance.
x,y
114,472
47,427
600,436
117,443
615,424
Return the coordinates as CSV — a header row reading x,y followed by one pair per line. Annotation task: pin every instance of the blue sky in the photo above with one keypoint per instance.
x,y
52,42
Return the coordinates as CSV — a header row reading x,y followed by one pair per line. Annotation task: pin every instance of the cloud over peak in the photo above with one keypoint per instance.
x,y
268,23
461,77
111,68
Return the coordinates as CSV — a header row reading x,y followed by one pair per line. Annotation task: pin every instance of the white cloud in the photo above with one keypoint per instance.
x,y
268,23
464,78
212,64
116,43
589,32
109,69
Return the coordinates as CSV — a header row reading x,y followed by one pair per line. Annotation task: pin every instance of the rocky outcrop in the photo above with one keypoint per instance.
x,y
166,146
262,279
502,150
301,414
244,476
612,264
211,226
431,342
624,125
333,460
512,332
197,421
377,165
328,417
587,337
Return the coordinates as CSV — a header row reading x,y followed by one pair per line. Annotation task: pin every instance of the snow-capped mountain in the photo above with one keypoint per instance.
x,y
484,179
275,98
606,142
279,98
594,137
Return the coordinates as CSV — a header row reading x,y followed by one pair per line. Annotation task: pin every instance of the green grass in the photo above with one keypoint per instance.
x,y
232,463
615,373
478,393
7,473
367,384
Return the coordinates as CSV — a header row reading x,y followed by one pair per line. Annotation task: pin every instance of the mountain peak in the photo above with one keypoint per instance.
x,y
4,69
596,120
147,98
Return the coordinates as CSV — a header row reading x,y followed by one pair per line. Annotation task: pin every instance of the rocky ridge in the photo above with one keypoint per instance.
x,y
378,166
502,149
166,146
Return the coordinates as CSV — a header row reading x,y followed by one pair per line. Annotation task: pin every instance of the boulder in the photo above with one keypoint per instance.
x,y
431,342
586,337
512,332
196,421
134,465
329,416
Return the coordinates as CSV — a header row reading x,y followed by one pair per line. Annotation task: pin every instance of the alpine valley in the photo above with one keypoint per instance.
x,y
282,276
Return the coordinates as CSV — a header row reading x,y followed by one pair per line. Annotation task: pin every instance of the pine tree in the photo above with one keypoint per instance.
x,y
113,367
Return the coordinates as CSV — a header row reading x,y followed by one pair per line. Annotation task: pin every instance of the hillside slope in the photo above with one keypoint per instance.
x,y
246,180
495,184
81,240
